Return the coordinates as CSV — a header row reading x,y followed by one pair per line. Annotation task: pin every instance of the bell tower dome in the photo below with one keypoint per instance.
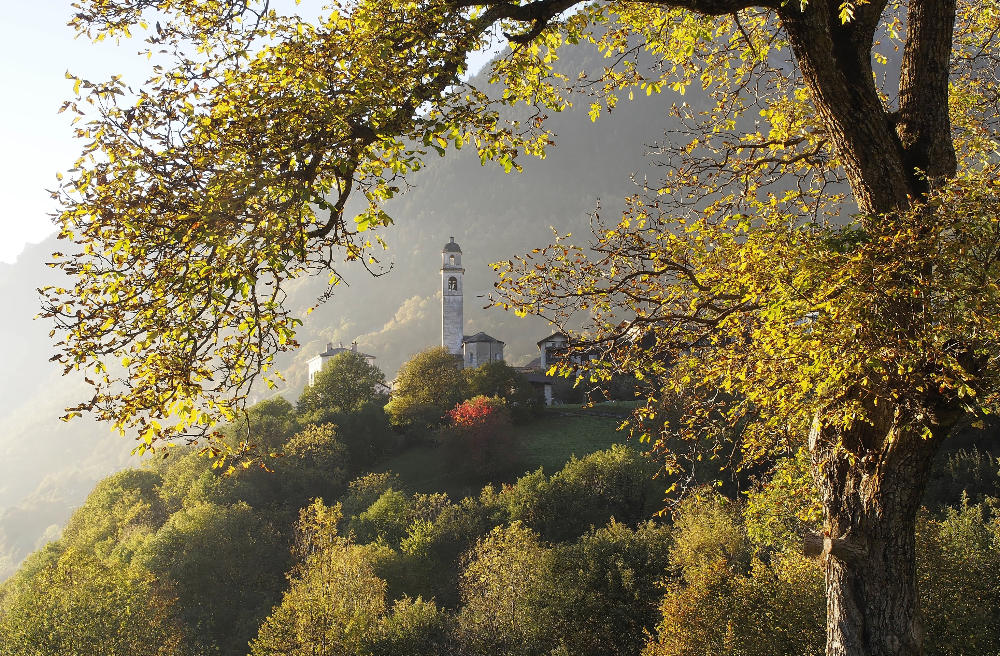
x,y
452,321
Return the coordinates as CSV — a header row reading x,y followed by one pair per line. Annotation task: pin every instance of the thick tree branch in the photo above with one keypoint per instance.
x,y
541,11
835,60
924,126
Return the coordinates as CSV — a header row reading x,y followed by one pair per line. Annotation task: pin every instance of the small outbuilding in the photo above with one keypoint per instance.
x,y
481,348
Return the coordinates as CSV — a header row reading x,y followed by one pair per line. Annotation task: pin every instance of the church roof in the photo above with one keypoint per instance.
x,y
331,351
533,366
480,337
555,334
451,247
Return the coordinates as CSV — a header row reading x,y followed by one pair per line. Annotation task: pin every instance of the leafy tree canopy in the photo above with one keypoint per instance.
x,y
80,604
479,438
344,384
264,425
186,256
227,564
499,379
242,158
427,386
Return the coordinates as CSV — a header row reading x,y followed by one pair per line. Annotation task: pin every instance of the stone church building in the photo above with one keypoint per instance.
x,y
473,349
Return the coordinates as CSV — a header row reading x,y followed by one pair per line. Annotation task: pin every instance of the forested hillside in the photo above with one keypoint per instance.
x,y
327,550
46,466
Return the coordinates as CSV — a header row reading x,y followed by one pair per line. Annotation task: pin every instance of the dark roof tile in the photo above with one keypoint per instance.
x,y
480,337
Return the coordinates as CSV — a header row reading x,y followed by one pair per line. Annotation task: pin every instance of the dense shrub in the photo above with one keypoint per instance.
x,y
725,600
427,386
227,565
180,473
586,493
317,448
121,509
971,473
428,534
195,562
387,519
501,584
80,604
363,491
335,601
390,517
429,559
958,567
265,426
415,628
601,593
367,434
314,464
745,590
595,597
479,439
311,463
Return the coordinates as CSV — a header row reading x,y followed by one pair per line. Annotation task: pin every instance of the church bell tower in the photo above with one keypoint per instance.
x,y
452,322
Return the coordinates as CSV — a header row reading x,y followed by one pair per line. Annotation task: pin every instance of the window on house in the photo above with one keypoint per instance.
x,y
453,284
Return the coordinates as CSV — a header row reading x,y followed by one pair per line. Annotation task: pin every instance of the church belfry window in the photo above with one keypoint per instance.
x,y
453,260
453,284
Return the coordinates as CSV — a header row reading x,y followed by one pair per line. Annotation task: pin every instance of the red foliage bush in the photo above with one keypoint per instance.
x,y
479,436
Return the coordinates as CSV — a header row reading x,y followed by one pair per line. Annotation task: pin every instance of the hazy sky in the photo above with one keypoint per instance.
x,y
36,50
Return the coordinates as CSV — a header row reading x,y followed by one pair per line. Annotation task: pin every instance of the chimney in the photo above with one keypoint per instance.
x,y
329,346
354,346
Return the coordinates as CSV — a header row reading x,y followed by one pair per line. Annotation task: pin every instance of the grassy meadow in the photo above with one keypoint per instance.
x,y
550,442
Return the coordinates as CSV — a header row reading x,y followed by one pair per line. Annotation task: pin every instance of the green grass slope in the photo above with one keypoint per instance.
x,y
549,442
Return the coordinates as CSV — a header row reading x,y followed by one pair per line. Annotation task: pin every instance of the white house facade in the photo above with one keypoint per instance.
x,y
317,363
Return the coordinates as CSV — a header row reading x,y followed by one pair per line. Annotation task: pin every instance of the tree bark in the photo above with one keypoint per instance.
x,y
872,476
835,60
872,479
887,156
924,126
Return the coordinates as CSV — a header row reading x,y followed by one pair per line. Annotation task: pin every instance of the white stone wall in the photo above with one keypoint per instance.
x,y
315,366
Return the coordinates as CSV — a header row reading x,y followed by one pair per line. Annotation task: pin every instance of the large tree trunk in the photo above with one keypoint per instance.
x,y
872,476
872,479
